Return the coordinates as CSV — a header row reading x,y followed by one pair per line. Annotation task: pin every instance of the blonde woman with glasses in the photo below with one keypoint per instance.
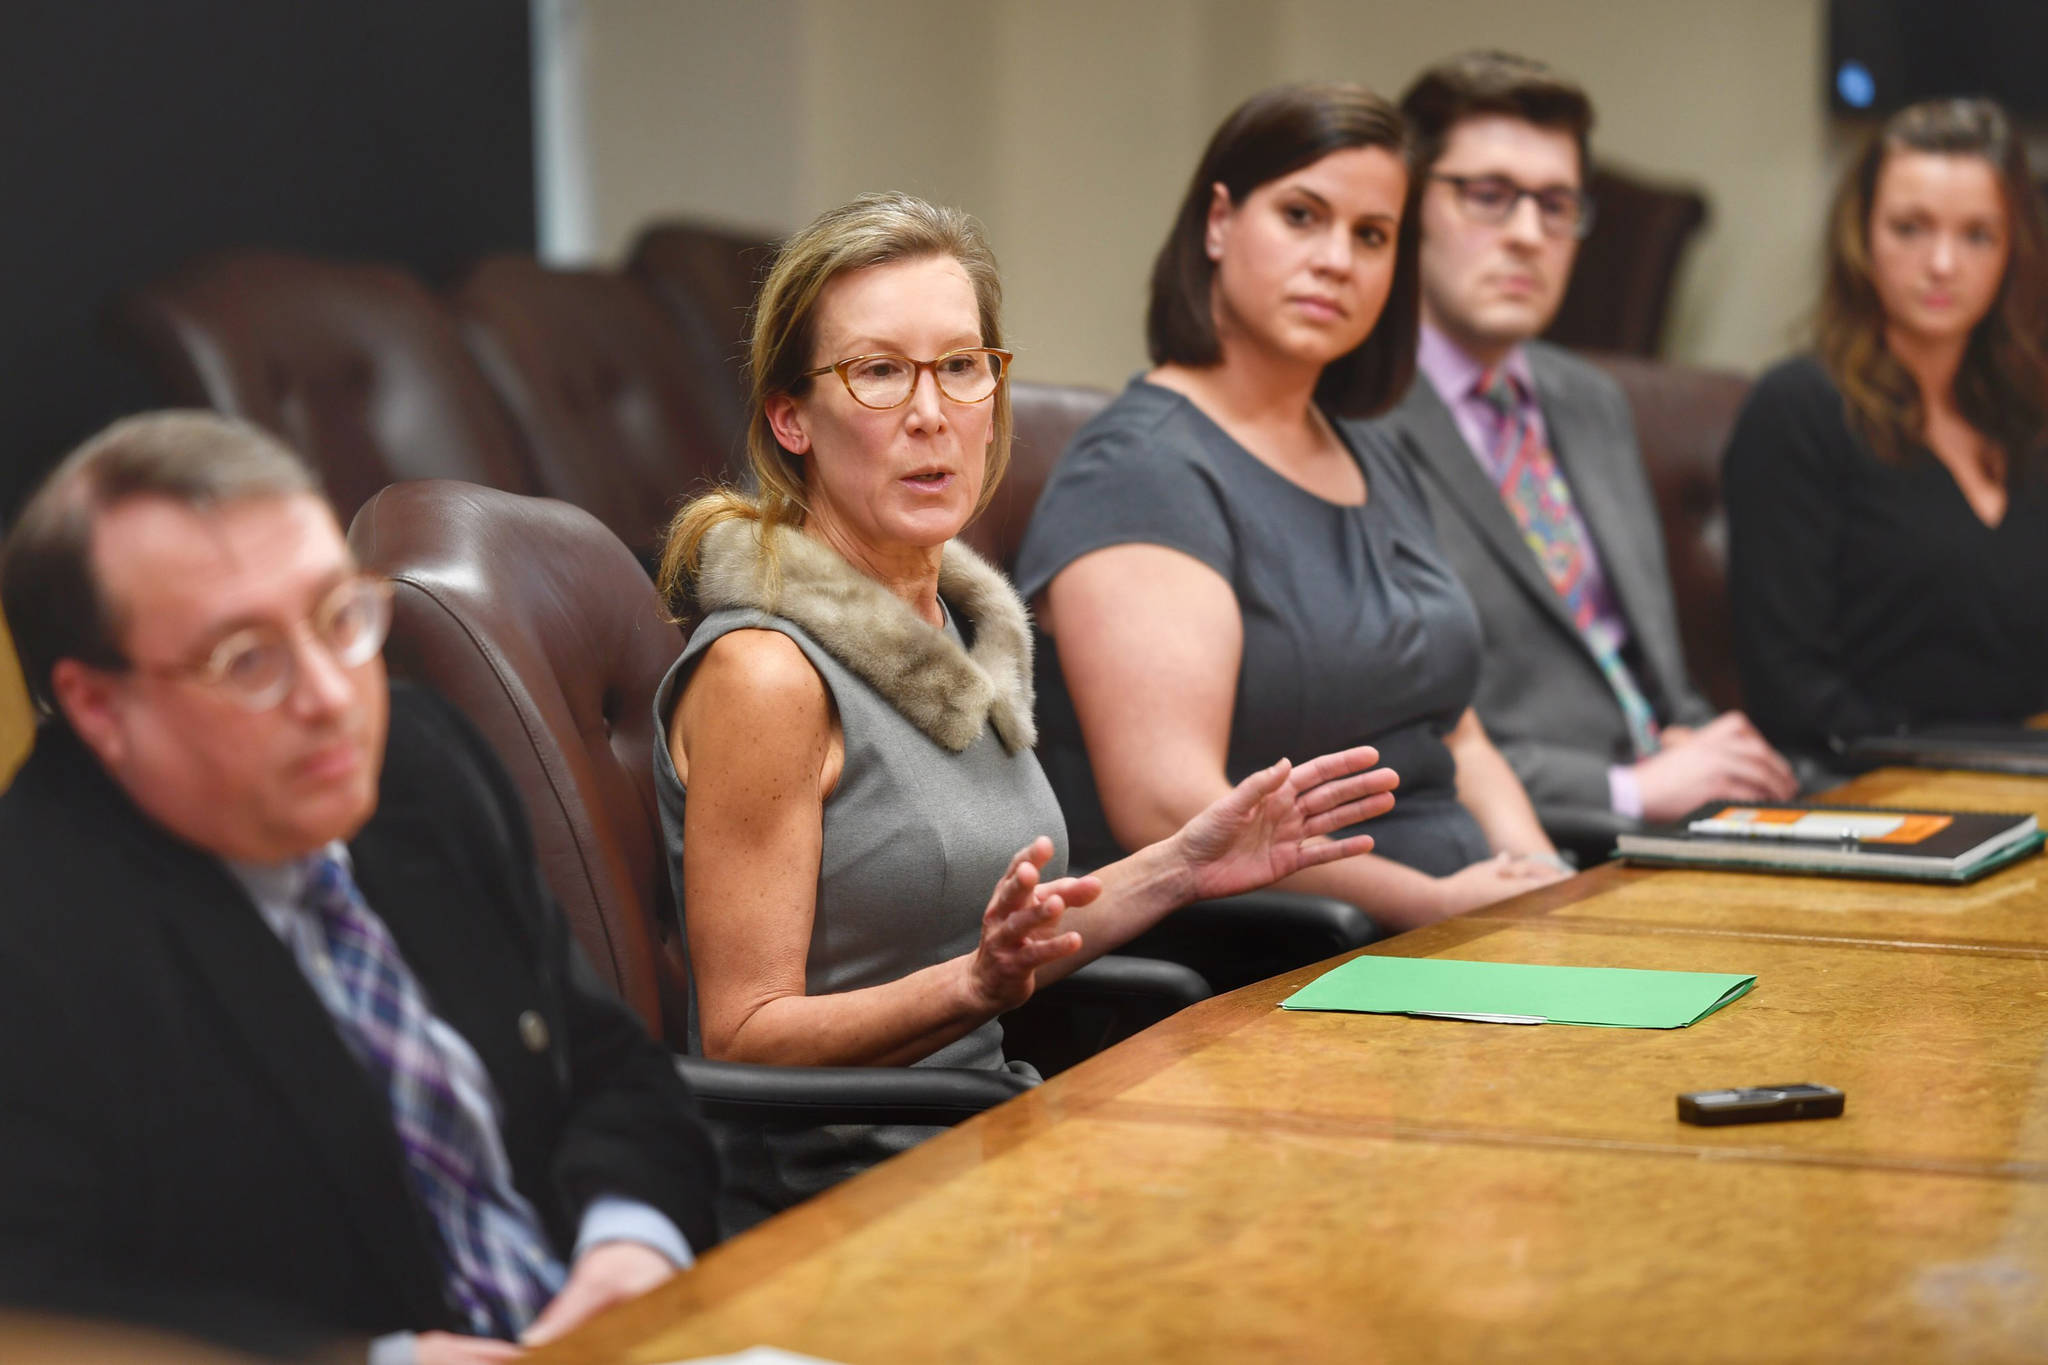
x,y
869,860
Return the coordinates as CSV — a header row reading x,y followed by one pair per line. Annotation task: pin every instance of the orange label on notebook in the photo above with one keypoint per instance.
x,y
1914,829
1823,825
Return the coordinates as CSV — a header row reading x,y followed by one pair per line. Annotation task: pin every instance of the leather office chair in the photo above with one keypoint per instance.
x,y
540,626
705,279
1620,288
1683,417
620,419
1044,419
17,713
358,367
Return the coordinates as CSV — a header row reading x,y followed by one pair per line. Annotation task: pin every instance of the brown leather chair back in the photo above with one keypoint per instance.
x,y
1683,417
358,367
1045,416
17,713
705,279
616,412
1621,284
539,625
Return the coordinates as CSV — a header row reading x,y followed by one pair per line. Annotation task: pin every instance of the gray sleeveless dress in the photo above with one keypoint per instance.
x,y
915,839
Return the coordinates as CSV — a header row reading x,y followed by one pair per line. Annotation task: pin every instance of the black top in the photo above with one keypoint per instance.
x,y
1869,596
1355,629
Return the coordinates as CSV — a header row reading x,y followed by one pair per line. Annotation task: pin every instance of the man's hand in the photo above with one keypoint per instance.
x,y
446,1348
1724,760
608,1273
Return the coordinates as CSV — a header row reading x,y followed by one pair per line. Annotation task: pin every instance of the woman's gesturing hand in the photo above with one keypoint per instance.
x,y
1020,930
1278,821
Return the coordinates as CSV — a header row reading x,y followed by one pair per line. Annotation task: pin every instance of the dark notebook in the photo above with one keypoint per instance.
x,y
1984,748
1840,841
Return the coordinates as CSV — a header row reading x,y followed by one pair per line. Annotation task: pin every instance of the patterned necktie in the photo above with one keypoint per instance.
x,y
1541,503
498,1269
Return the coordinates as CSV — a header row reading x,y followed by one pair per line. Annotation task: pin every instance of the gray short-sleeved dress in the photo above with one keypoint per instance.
x,y
1356,630
916,835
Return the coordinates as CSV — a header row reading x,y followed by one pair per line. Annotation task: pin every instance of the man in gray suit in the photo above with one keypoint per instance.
x,y
1528,457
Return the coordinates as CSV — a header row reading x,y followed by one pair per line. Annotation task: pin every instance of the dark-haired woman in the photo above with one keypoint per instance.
x,y
1224,572
1887,505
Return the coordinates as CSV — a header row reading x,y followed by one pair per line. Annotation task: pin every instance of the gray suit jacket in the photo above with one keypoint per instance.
x,y
1541,695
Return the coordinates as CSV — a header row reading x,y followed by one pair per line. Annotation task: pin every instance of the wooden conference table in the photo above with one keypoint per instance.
x,y
1245,1184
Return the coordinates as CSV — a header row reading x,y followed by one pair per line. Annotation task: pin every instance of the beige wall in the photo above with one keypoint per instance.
x,y
1726,96
1070,126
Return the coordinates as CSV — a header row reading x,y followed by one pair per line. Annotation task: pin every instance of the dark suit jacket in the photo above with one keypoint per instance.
x,y
180,1122
1541,695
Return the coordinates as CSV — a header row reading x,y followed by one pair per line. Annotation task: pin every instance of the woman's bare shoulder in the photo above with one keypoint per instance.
x,y
755,680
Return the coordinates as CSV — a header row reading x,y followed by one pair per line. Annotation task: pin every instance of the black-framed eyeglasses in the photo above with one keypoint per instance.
x,y
1492,199
886,380
257,667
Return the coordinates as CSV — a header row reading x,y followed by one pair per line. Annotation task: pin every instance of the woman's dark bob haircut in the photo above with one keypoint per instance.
x,y
1272,134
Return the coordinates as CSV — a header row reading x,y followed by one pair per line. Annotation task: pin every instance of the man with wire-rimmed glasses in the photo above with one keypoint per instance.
x,y
298,1045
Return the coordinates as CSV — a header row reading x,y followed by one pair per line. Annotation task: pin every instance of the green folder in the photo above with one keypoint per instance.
x,y
1520,993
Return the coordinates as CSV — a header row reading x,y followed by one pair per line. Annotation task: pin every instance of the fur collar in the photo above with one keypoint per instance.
x,y
942,689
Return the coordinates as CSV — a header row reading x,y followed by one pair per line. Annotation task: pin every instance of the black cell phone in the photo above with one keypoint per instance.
x,y
1760,1104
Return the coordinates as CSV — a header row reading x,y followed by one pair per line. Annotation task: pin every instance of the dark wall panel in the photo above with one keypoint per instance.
x,y
137,133
1886,54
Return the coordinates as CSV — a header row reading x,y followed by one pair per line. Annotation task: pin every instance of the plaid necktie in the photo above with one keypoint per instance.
x,y
1541,503
498,1268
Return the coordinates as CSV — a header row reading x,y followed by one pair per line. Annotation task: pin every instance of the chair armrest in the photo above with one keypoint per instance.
x,y
1583,834
1307,919
1096,1006
1237,940
804,1096
1139,984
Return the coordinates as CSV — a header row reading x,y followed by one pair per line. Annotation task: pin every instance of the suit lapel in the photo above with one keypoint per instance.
x,y
475,979
453,910
1435,443
270,1010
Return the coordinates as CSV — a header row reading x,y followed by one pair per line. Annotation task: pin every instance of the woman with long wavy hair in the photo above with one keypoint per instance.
x,y
1888,493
